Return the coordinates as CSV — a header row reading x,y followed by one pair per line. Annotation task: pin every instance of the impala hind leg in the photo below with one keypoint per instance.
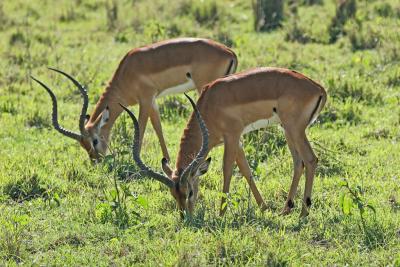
x,y
310,161
246,171
156,122
298,167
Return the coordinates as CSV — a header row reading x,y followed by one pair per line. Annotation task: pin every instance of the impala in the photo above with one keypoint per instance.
x,y
157,70
232,106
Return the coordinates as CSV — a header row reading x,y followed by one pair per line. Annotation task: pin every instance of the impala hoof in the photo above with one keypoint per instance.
x,y
285,211
304,213
289,205
263,206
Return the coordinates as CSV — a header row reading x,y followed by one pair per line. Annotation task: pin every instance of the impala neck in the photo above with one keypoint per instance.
x,y
191,143
111,99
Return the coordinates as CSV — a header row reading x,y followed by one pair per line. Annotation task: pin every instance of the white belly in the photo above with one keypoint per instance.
x,y
181,88
261,124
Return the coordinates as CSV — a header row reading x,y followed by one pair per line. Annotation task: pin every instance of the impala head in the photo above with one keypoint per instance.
x,y
183,184
94,141
186,183
89,135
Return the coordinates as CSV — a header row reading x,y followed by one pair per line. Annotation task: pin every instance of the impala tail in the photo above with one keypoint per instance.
x,y
320,104
233,64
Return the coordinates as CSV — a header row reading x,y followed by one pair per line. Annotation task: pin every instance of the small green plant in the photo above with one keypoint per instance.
x,y
12,236
353,199
120,205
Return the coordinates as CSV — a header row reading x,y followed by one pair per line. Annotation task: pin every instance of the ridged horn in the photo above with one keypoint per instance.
x,y
84,94
54,115
136,155
204,145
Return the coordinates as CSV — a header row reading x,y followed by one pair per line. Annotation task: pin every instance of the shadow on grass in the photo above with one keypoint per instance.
x,y
238,216
25,189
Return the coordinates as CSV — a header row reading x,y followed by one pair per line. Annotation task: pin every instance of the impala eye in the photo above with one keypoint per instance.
x,y
95,142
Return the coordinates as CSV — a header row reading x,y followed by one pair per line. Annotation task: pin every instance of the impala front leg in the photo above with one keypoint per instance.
x,y
144,112
156,122
246,171
230,151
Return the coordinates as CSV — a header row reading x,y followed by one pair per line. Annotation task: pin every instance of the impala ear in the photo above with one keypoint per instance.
x,y
165,166
203,167
105,115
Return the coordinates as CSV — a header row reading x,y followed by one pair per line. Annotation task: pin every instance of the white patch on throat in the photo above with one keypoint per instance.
x,y
181,88
261,124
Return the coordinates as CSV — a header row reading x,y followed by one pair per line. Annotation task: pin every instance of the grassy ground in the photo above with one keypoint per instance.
x,y
58,209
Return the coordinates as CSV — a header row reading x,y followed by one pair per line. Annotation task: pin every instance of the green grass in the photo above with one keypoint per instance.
x,y
58,209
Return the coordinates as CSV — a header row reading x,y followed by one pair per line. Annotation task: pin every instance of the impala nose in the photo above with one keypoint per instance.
x,y
95,159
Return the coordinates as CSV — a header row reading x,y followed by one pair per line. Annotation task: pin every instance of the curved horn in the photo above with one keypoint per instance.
x,y
57,126
204,145
136,155
85,99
